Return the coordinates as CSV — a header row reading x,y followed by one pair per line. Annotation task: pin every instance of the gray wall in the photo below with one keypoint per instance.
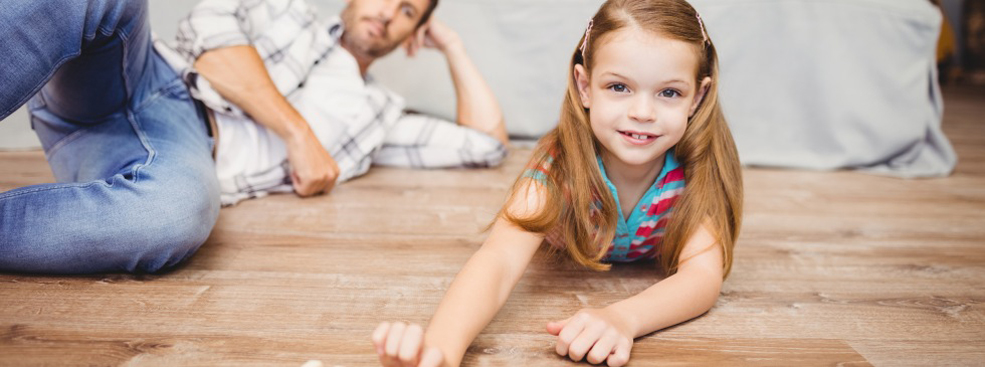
x,y
520,46
805,83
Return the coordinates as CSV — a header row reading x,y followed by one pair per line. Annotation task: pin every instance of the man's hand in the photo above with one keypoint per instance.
x,y
313,171
596,335
476,104
402,345
239,75
433,34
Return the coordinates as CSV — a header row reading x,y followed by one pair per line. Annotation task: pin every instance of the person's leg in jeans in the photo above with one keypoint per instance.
x,y
136,184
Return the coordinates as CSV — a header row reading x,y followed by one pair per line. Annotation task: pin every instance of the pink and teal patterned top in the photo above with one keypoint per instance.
x,y
637,237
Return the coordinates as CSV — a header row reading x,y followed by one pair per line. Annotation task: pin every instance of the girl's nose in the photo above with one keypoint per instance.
x,y
643,109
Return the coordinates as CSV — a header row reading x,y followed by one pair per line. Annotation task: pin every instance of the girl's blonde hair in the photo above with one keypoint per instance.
x,y
713,189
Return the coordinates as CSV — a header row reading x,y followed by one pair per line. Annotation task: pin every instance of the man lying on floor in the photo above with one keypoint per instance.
x,y
267,142
284,96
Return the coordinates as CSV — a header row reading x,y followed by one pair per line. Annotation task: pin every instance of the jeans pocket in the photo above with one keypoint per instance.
x,y
92,152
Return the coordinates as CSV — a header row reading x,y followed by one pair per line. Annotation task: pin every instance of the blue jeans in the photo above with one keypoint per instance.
x,y
137,189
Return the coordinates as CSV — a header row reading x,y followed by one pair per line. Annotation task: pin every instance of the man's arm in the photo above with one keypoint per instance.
x,y
476,104
422,141
238,74
217,38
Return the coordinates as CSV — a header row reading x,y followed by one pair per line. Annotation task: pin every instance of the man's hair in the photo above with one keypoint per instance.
x,y
427,12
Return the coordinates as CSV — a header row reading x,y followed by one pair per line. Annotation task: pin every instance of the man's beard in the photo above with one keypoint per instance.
x,y
364,45
367,48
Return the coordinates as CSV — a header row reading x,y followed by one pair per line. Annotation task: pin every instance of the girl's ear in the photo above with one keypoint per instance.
x,y
581,81
702,91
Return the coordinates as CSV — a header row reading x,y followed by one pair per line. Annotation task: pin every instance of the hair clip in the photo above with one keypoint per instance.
x,y
702,25
584,43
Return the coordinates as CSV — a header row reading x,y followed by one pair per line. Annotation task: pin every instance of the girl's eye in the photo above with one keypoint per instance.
x,y
618,88
670,93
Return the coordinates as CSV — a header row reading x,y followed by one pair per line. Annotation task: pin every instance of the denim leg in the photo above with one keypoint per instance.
x,y
137,189
74,45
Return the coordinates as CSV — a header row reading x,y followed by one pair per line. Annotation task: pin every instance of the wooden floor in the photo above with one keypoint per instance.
x,y
832,268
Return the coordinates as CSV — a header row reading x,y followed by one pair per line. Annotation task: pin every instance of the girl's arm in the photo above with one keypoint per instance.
x,y
472,300
606,335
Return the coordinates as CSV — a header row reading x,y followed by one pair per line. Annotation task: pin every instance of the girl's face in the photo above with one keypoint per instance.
x,y
640,94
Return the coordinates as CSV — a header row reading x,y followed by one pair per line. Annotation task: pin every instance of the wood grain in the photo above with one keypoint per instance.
x,y
833,268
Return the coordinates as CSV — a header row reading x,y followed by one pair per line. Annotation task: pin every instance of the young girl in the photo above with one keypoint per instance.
x,y
641,166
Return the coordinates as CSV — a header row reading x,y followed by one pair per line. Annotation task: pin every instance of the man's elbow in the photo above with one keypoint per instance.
x,y
498,154
489,152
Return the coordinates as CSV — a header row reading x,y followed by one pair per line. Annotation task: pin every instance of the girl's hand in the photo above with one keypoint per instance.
x,y
596,334
402,345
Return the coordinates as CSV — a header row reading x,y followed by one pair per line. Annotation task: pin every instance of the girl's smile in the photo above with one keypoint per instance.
x,y
638,138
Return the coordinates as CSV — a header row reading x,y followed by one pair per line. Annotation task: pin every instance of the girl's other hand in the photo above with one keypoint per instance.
x,y
596,335
402,345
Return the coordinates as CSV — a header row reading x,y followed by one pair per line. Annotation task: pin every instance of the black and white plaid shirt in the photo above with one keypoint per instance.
x,y
359,121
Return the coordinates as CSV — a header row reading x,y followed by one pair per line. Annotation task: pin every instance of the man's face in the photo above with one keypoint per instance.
x,y
376,27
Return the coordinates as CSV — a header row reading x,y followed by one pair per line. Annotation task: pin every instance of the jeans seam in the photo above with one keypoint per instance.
x,y
161,92
9,195
65,141
151,152
137,128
